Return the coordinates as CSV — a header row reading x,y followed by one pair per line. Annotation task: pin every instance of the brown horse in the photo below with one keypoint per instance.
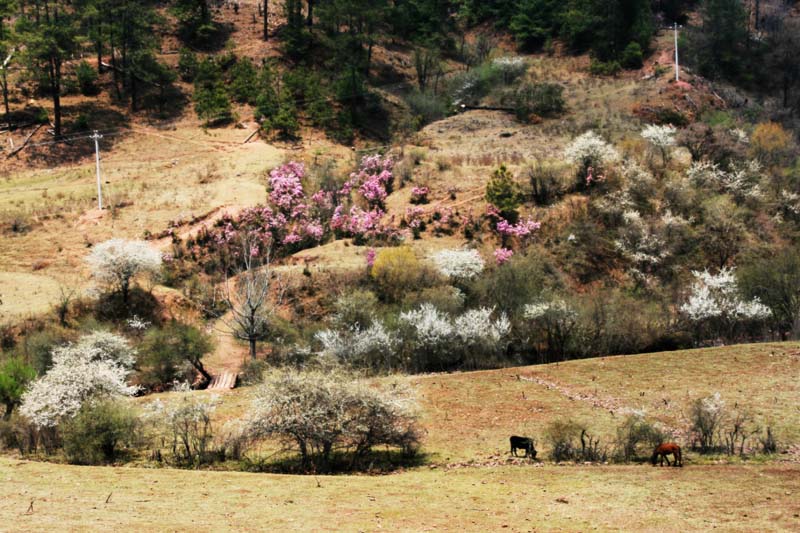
x,y
664,450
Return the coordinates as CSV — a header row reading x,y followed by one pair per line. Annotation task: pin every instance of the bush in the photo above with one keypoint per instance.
x,y
446,299
252,371
570,441
187,65
396,271
244,81
211,101
537,99
87,78
503,193
427,106
185,426
546,182
38,346
98,432
173,353
770,142
634,432
706,417
632,56
356,308
604,68
322,413
15,375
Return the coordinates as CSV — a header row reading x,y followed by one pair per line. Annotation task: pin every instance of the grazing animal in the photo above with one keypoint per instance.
x,y
663,450
523,443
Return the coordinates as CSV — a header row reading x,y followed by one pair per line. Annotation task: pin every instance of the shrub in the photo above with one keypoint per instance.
x,y
244,81
503,193
538,99
173,353
427,106
518,282
459,264
186,427
187,65
97,432
15,375
604,68
634,432
323,413
395,271
546,183
632,56
81,372
446,299
570,441
356,308
770,142
706,417
87,78
38,347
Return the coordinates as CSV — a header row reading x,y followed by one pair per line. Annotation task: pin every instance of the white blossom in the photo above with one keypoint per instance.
x,y
660,136
355,343
590,148
117,261
96,366
717,296
431,327
538,310
459,264
477,327
740,135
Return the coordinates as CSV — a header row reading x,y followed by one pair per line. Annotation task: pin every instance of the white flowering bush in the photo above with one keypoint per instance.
x,y
639,243
116,262
714,301
320,413
431,328
590,149
662,138
373,347
740,180
707,416
94,368
459,264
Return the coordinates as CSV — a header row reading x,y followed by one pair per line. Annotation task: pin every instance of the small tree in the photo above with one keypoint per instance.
x,y
168,351
503,193
321,412
15,375
98,431
211,102
94,368
116,263
248,304
707,416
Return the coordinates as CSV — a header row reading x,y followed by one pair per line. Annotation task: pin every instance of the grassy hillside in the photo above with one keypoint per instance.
x,y
467,419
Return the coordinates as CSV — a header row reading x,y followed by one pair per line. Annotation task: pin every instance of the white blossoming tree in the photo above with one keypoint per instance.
x,y
660,137
374,347
94,368
716,307
459,264
321,412
117,262
592,154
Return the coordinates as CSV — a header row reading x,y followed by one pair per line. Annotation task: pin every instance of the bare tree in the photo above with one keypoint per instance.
x,y
248,300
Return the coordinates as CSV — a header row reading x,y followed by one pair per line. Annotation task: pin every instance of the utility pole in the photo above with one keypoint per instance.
x,y
677,68
96,136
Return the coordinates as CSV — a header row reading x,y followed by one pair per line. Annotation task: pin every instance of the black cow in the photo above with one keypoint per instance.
x,y
523,443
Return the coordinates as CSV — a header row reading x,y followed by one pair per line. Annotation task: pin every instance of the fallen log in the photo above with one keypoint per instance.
x,y
24,144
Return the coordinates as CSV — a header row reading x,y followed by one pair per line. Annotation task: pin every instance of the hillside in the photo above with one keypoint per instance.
x,y
473,483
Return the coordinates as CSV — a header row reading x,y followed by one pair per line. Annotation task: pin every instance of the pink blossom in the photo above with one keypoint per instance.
x,y
413,217
292,238
371,257
315,230
502,255
521,230
286,187
590,177
419,195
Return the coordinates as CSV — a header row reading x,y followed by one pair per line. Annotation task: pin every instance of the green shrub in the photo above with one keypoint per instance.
x,y
15,375
537,99
173,353
244,81
445,298
87,78
99,433
632,56
604,68
427,106
211,102
187,65
252,371
637,438
38,345
355,308
397,269
503,193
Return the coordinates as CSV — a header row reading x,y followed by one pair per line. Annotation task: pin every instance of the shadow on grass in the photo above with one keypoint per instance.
x,y
376,462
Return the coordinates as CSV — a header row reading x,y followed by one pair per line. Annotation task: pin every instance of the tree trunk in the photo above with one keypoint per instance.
x,y
5,95
252,348
9,410
55,88
310,19
266,20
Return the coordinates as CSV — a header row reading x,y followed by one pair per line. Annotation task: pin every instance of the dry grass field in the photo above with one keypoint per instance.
x,y
469,483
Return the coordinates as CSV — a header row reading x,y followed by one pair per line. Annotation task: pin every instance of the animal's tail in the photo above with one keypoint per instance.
x,y
654,459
